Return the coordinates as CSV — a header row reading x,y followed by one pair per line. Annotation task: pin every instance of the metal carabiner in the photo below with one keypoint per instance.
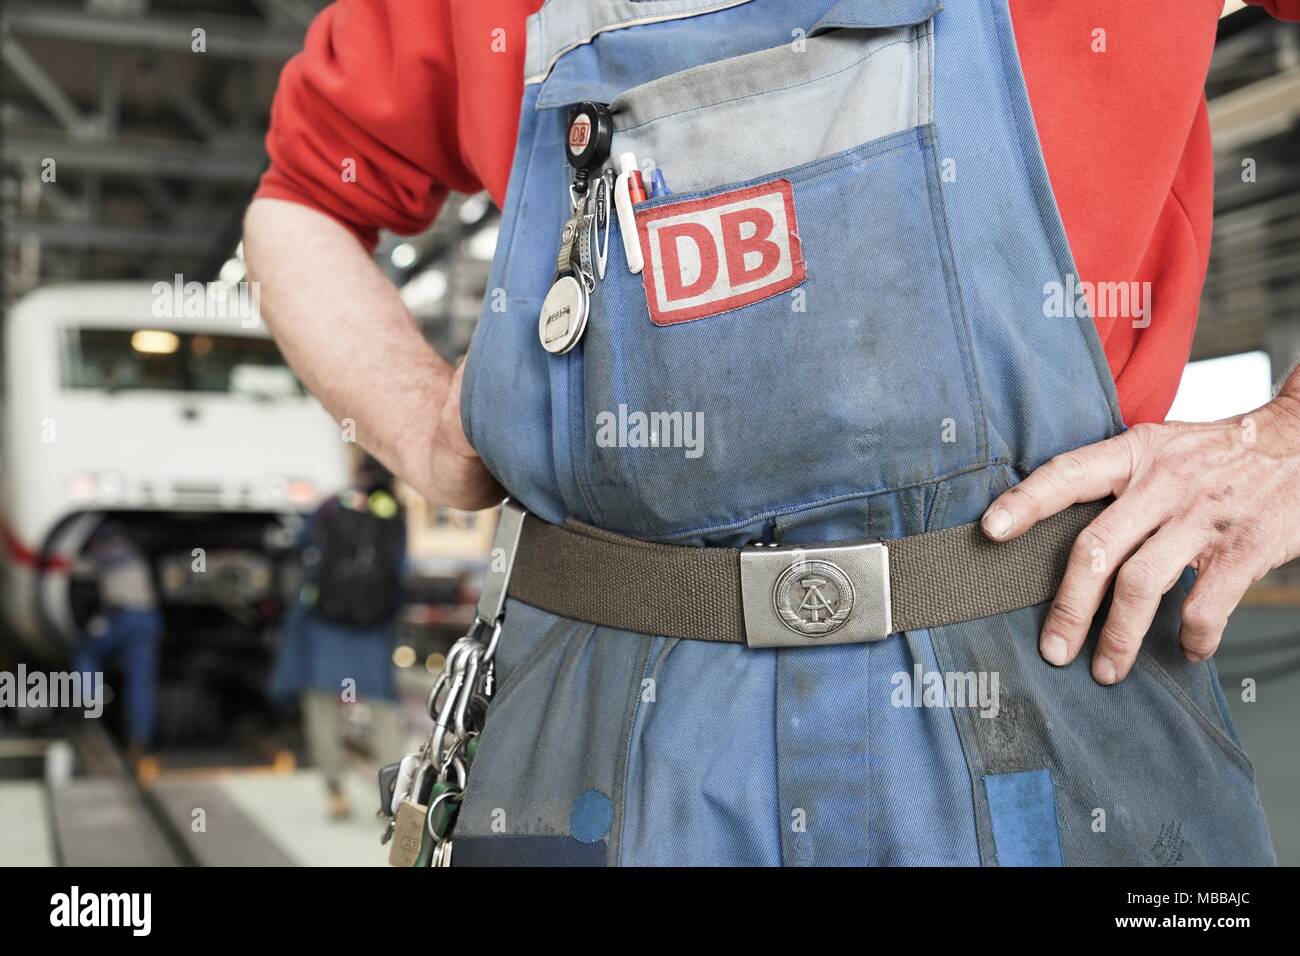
x,y
446,715
489,683
467,691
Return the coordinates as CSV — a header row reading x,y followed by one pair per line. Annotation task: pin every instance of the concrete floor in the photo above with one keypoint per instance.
x,y
289,811
24,825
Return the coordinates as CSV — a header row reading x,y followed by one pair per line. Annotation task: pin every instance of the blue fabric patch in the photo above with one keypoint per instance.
x,y
526,851
591,817
1022,809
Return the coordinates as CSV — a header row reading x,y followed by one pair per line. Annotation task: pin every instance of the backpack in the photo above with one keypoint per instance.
x,y
358,579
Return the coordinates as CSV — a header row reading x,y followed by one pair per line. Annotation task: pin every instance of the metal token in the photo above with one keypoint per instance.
x,y
564,315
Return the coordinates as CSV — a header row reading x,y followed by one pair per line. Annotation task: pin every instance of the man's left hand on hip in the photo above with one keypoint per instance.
x,y
1222,497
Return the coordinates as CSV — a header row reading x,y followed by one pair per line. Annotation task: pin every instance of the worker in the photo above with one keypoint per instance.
x,y
127,627
864,242
339,635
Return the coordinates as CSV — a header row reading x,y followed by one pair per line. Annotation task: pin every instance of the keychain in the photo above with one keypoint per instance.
x,y
567,305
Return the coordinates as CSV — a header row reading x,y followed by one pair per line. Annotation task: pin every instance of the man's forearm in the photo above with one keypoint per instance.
x,y
343,327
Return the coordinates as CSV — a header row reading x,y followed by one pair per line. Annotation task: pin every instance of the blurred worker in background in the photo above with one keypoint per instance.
x,y
339,635
127,627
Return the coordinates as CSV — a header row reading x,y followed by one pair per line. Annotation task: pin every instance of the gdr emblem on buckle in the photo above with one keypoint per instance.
x,y
813,598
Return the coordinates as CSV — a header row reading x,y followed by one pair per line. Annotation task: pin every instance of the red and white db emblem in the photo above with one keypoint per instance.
x,y
712,255
579,134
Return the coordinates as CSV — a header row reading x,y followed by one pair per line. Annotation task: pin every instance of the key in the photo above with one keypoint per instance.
x,y
388,779
408,834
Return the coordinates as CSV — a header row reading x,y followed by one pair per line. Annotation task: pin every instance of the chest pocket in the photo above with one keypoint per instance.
x,y
797,334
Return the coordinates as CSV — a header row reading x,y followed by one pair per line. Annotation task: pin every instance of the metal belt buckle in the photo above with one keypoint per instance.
x,y
501,561
801,597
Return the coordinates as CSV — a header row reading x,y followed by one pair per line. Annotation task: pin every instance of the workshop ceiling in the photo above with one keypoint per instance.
x,y
155,147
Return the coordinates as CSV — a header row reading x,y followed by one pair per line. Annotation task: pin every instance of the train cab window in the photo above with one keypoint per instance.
x,y
160,360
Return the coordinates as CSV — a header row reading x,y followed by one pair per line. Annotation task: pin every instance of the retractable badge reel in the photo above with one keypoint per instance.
x,y
568,303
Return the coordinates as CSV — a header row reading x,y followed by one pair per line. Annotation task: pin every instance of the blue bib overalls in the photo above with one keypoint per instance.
x,y
901,378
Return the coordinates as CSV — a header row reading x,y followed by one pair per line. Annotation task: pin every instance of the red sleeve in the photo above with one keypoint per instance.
x,y
1285,9
364,122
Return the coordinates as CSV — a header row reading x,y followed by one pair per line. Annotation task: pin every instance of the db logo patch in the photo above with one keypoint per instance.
x,y
712,255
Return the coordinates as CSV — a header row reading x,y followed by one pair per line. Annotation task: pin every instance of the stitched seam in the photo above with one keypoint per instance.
x,y
956,302
653,674
1053,226
816,502
1175,690
623,773
806,172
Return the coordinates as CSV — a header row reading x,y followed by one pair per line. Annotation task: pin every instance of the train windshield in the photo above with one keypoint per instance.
x,y
159,360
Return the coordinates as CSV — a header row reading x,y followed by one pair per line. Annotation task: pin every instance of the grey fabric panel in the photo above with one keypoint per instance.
x,y
938,578
852,87
561,25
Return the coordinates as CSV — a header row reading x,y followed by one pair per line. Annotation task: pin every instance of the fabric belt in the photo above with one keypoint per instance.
x,y
776,596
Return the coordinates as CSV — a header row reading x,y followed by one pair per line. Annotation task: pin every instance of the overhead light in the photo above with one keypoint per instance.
x,y
272,490
424,290
403,255
155,342
474,208
110,486
232,271
83,488
483,244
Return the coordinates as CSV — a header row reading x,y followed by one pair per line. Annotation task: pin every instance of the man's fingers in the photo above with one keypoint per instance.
x,y
1140,583
1084,474
1100,549
1216,593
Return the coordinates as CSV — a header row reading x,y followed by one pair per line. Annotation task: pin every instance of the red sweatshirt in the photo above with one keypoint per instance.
x,y
422,97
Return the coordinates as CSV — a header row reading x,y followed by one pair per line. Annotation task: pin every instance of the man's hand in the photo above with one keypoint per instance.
x,y
457,475
1223,497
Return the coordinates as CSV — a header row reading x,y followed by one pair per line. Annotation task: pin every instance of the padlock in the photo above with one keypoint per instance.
x,y
408,834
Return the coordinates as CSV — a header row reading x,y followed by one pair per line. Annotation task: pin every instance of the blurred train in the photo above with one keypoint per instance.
x,y
177,418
